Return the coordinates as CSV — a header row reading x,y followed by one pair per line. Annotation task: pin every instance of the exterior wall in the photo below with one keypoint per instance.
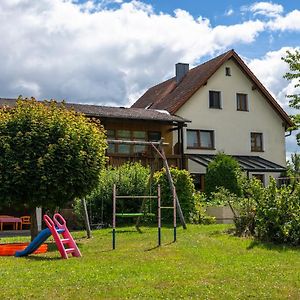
x,y
232,128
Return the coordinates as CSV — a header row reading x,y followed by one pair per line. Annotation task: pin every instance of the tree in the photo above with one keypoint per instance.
x,y
224,171
293,60
48,155
293,169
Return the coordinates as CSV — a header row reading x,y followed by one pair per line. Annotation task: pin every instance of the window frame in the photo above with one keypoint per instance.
x,y
209,99
240,107
255,148
198,133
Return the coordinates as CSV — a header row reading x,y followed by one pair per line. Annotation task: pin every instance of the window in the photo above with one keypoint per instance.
x,y
139,136
200,139
111,136
214,99
123,135
198,181
131,135
256,142
154,136
260,177
242,102
227,71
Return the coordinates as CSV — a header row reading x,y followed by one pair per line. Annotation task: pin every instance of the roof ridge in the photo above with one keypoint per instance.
x,y
214,59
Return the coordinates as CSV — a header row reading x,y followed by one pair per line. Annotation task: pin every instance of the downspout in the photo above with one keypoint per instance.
x,y
289,134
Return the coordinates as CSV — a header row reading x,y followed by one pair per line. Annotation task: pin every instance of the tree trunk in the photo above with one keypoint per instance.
x,y
33,226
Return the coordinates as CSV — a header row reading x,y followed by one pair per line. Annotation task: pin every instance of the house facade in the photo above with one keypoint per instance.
x,y
218,106
230,111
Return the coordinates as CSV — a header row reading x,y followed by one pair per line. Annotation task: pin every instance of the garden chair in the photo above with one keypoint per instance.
x,y
25,221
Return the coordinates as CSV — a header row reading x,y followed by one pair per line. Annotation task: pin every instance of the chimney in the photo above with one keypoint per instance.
x,y
180,71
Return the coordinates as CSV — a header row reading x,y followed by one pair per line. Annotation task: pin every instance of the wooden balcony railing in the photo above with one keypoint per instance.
x,y
116,160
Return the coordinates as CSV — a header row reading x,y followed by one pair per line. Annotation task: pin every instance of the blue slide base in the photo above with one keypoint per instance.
x,y
35,244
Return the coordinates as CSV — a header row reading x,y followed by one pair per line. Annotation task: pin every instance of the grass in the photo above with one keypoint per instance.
x,y
205,263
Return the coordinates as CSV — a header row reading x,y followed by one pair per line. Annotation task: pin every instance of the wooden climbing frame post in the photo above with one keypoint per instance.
x,y
159,215
114,219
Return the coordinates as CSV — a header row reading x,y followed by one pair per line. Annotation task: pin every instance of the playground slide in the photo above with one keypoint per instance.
x,y
35,244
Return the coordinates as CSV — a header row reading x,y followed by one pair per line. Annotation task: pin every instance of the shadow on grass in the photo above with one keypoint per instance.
x,y
271,246
39,258
126,231
157,246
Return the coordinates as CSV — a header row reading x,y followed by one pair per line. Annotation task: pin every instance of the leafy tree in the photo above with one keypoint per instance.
x,y
293,60
224,171
48,155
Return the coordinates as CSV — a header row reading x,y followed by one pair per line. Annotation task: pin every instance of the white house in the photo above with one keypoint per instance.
x,y
230,111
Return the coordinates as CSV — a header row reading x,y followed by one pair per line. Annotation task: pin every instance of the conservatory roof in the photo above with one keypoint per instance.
x,y
247,163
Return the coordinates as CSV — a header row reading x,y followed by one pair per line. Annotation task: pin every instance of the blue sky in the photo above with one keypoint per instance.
x,y
108,52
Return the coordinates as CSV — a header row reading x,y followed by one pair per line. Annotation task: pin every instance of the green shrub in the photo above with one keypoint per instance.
x,y
223,171
191,202
271,213
221,197
185,190
130,179
198,214
246,207
278,214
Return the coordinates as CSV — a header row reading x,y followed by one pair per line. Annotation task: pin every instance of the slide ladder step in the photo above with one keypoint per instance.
x,y
70,250
65,241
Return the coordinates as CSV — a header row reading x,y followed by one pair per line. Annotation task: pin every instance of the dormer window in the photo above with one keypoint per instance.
x,y
227,71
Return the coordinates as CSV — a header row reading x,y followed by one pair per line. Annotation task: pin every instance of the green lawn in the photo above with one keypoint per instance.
x,y
205,263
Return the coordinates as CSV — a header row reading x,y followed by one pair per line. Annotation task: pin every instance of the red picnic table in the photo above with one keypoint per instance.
x,y
9,220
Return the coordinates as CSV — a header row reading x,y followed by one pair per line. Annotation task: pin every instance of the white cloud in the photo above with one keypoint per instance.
x,y
87,53
270,70
267,9
290,21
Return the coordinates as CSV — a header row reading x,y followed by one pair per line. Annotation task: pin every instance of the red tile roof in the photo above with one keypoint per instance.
x,y
171,96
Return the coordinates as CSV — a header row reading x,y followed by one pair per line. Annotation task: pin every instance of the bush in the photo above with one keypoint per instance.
x,y
271,213
246,207
278,214
198,214
221,197
130,179
223,171
191,202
